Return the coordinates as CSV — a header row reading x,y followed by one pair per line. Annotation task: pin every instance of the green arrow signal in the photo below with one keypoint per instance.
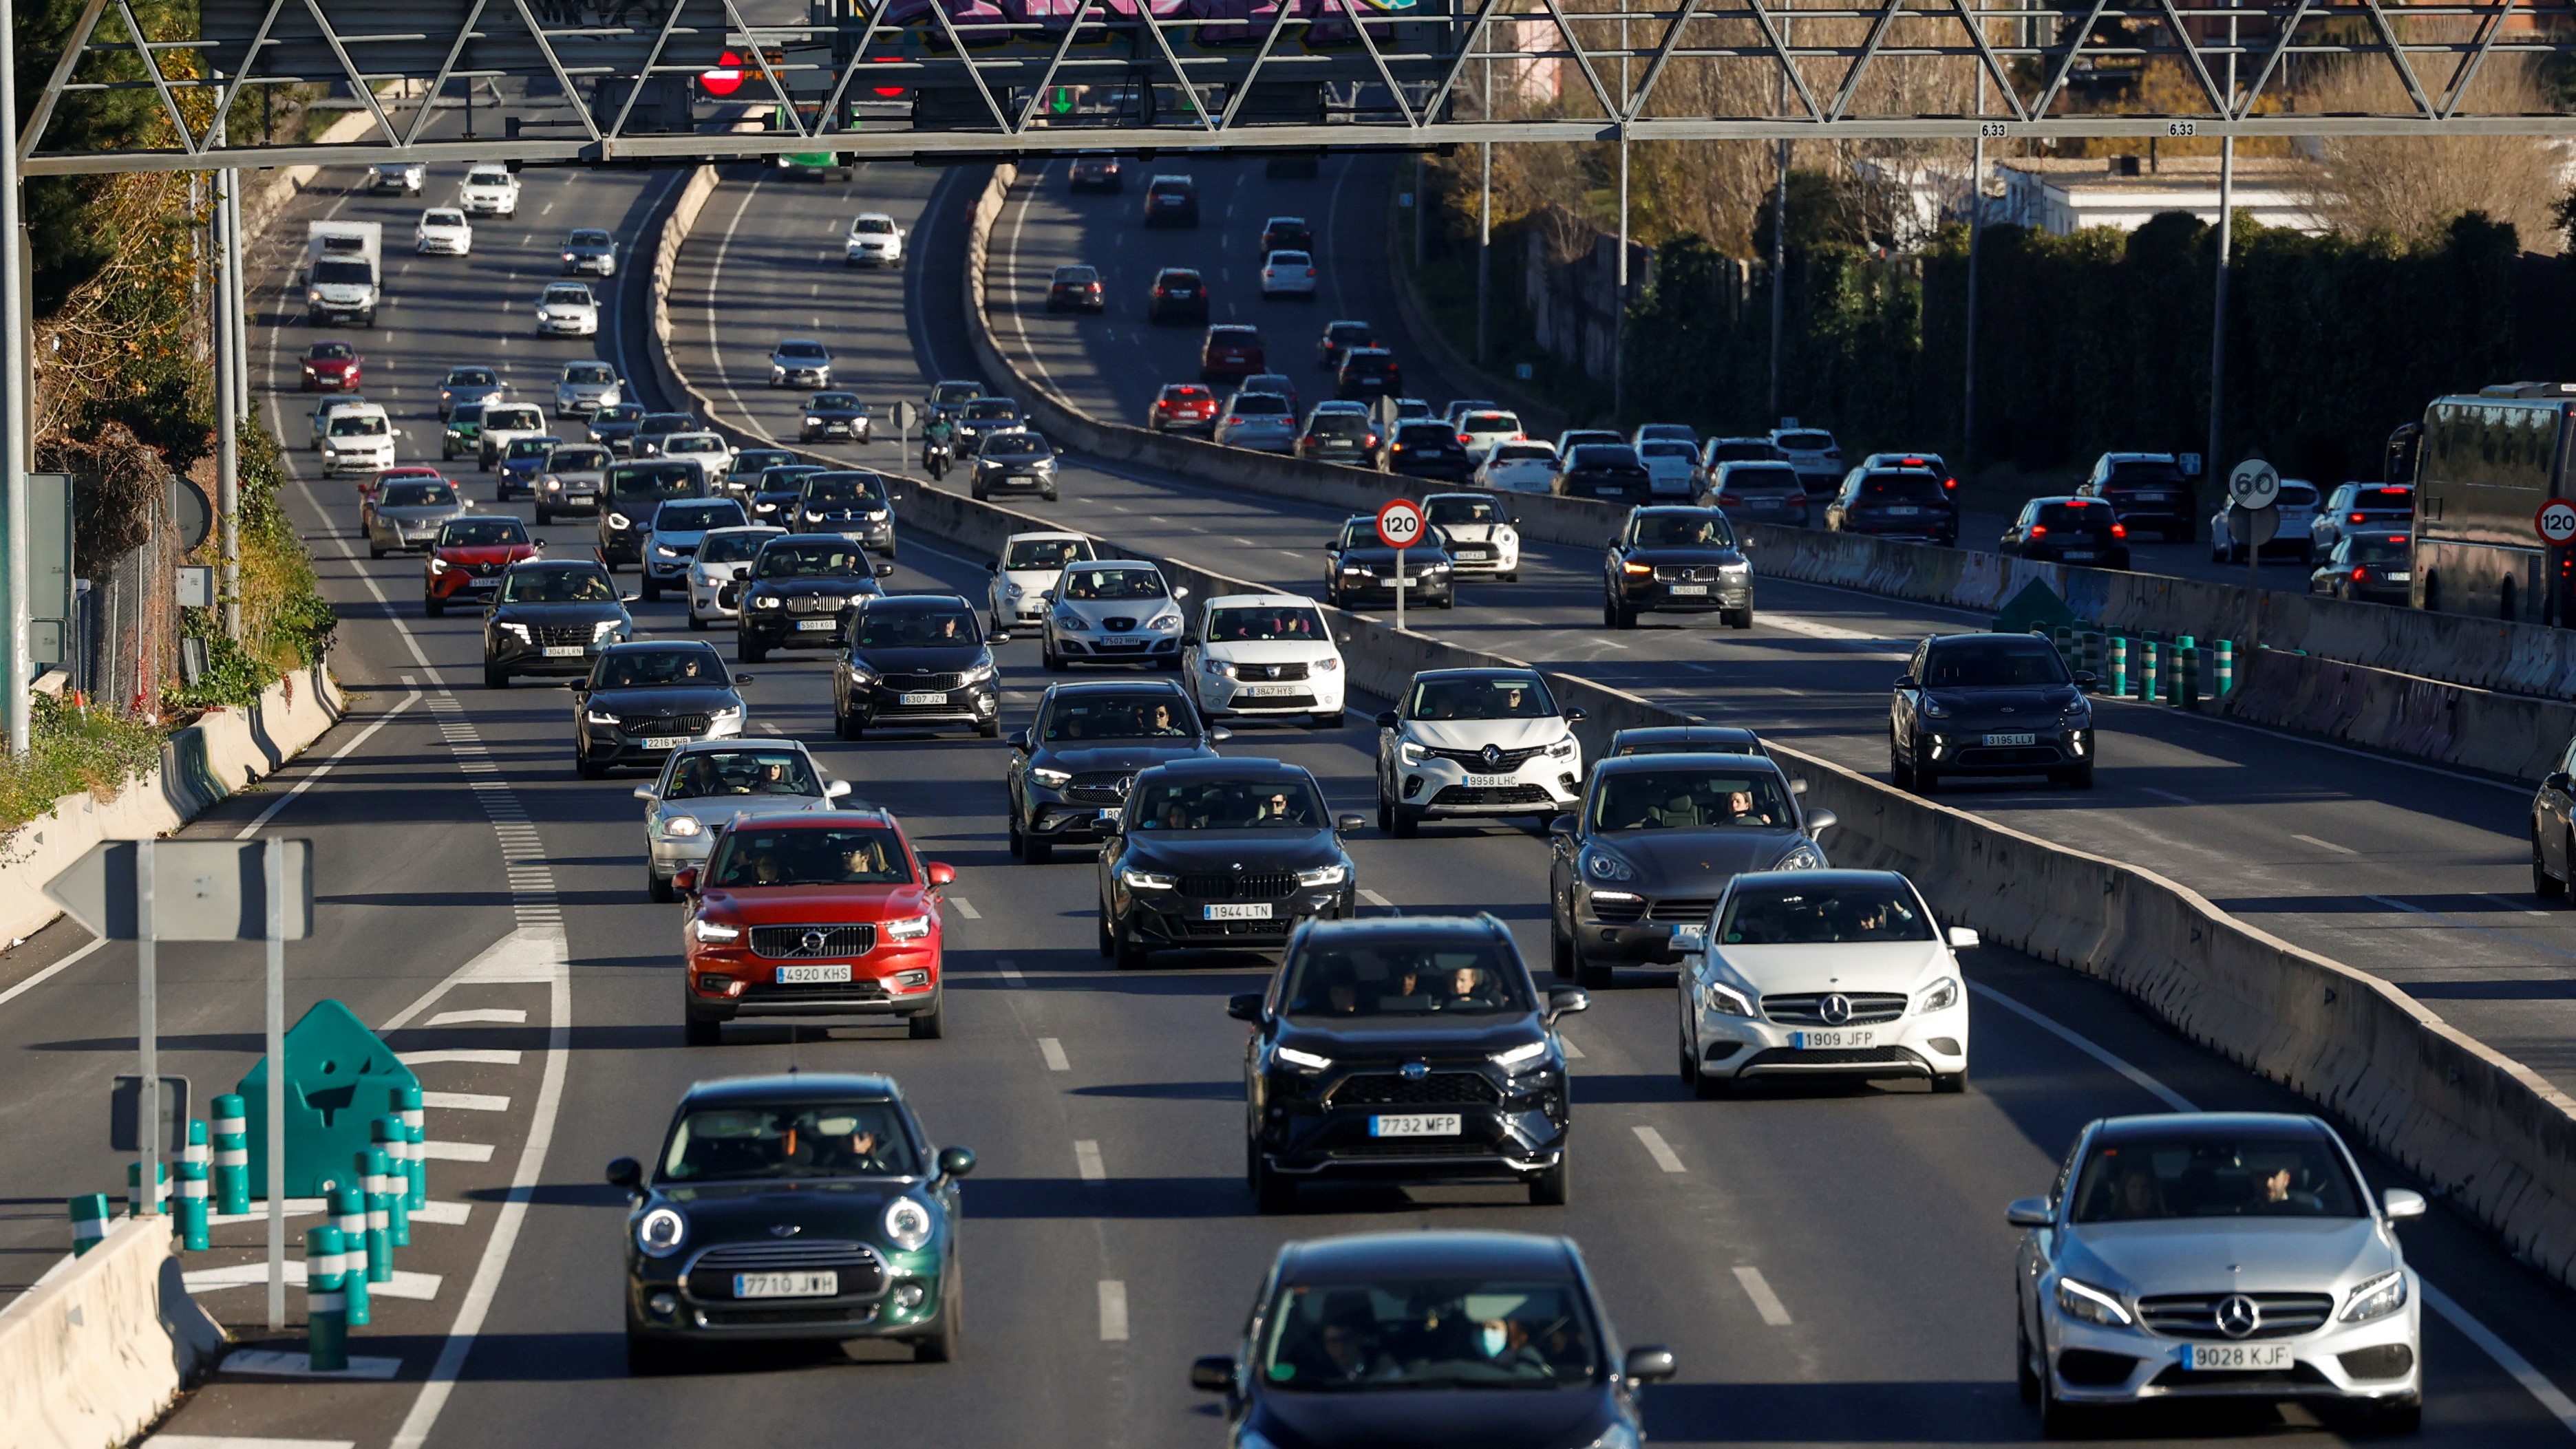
x,y
1063,101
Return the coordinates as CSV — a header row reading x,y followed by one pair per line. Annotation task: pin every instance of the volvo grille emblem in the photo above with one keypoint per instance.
x,y
784,1230
1835,1009
2238,1315
1416,1071
814,942
1492,754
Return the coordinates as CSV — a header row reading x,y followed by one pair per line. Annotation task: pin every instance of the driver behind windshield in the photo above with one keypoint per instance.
x,y
1119,717
1112,584
1996,664
1261,622
1688,800
731,1144
1508,697
912,629
647,668
709,773
811,561
1396,979
1493,1335
1809,916
558,586
1229,805
1683,530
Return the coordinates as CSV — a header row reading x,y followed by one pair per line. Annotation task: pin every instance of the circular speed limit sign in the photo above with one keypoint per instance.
x,y
1399,523
2556,521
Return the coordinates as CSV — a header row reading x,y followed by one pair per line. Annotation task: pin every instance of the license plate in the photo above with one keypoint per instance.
x,y
787,1285
2012,739
1468,551
811,975
1686,588
1258,690
1826,1041
1416,1124
1608,492
1491,782
1237,911
562,651
933,697
665,742
2237,1356
2079,555
1903,512
2402,576
817,626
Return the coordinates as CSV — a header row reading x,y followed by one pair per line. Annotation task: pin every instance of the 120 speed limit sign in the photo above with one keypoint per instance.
x,y
2556,521
1399,524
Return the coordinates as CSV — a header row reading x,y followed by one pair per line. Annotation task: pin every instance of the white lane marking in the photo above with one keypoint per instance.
x,y
318,771
418,1287
1086,1159
1818,629
497,1015
2457,924
1696,667
2167,795
473,1056
1053,1051
1113,1311
2509,903
1658,1149
50,972
465,1101
2326,845
1572,1052
1010,970
966,908
1373,898
457,1151
1765,1302
2552,1400
449,1214
225,1441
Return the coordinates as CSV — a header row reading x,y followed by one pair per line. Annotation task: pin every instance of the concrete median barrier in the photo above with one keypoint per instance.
x,y
102,1345
2514,735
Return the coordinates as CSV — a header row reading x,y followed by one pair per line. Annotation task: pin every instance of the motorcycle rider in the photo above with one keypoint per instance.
x,y
938,443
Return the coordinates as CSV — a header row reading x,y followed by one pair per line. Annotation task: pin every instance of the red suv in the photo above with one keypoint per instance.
x,y
468,558
1182,407
1231,354
332,367
812,915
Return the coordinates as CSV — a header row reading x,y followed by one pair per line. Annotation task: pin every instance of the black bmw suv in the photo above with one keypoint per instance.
x,y
799,592
1072,767
1405,1048
1224,853
915,661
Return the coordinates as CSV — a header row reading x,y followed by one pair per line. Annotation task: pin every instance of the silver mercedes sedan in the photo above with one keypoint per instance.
x,y
2216,1255
703,785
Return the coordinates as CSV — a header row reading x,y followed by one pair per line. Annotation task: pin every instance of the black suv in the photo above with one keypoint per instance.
x,y
1172,201
1680,560
799,591
1072,767
1404,1048
550,616
1340,337
2147,490
1429,449
853,504
915,660
830,415
1989,704
652,428
773,498
1179,295
1221,853
631,493
644,700
1287,234
1367,374
1905,504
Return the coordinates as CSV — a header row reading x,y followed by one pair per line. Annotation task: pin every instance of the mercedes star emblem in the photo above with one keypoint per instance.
x,y
1125,784
814,941
784,1230
1835,1009
1416,1071
2238,1315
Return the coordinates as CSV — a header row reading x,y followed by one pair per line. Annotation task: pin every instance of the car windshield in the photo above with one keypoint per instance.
x,y
1690,798
699,517
1077,276
342,273
331,352
512,419
2380,551
2297,495
1805,915
804,1139
1765,478
837,402
789,478
620,413
1260,404
812,560
1045,553
811,856
807,351
418,495
1015,446
558,586
723,547
577,460
482,533
2145,475
916,629
714,774
666,423
1274,803
1233,337
1740,452
1348,334
442,218
872,226
2074,517
1996,664
473,377
656,480
1505,696
752,462
647,668
1684,530
1605,455
1180,392
1108,584
992,410
1119,717
1424,435
949,392
1245,623
359,425
1656,448
1580,436
844,488
567,294
2215,1174
531,447
1411,1334
1805,442
488,178
1290,259
1404,978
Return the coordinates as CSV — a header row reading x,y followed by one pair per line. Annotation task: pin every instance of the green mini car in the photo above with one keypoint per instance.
x,y
806,1206
464,432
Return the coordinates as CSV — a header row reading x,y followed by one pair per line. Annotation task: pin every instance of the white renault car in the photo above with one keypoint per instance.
x,y
567,309
489,190
360,440
443,231
715,575
1027,567
874,241
1265,654
1477,744
1811,972
1484,542
2216,1255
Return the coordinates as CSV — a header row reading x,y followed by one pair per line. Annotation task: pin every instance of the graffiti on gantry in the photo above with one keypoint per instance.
x,y
1222,23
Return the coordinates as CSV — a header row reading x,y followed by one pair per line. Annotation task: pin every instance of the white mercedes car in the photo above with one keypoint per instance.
x,y
443,231
1265,654
567,309
1812,972
1477,744
1027,567
715,575
2217,1255
1484,542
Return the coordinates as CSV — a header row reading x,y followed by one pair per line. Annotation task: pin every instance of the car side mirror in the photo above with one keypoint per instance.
x,y
955,1162
885,571
2028,1212
745,678
1047,595
1562,825
1219,735
1245,1006
999,636
2402,1202
2086,679
941,873
630,598
1213,1374
1348,823
1903,681
645,792
2557,780
1820,821
1020,741
685,881
628,1173
1797,787
1110,825
1389,720
1576,715
1963,938
1180,593
836,789
1567,1000
1650,1363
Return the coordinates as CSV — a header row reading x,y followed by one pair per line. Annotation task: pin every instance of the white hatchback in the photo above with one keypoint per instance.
x,y
1672,467
708,450
1527,467
874,241
1028,566
1487,429
1288,274
489,190
1265,654
715,574
443,231
567,309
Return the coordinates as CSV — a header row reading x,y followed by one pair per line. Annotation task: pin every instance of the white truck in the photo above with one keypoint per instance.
x,y
343,271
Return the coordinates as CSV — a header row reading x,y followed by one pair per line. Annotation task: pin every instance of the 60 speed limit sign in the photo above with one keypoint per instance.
x,y
2556,521
1399,523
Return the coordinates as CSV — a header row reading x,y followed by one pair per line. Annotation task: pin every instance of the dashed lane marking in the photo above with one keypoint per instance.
x,y
1010,971
465,1101
234,1441
470,1056
2167,795
1658,1149
1373,898
495,1015
1113,1311
2326,845
457,1151
966,908
1053,1050
1765,1302
1086,1160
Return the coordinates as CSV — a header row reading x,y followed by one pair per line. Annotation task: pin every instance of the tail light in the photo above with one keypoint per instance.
x,y
2119,530
1310,271
2357,518
1464,440
1949,483
2039,530
2360,575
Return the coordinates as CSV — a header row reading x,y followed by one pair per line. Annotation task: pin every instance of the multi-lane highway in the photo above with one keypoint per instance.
x,y
1831,1266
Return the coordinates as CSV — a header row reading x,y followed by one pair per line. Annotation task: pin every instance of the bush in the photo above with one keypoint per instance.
x,y
76,750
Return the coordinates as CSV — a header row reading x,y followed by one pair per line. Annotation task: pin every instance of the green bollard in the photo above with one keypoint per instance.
x,y
232,1157
2089,645
2226,667
349,1215
2148,674
2191,678
379,1181
89,1221
134,1188
415,1166
192,1190
2119,667
392,1180
326,1302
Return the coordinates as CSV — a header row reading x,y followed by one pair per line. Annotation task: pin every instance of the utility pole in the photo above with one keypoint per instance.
x,y
2226,229
228,399
1619,316
1485,223
1780,235
17,414
1976,229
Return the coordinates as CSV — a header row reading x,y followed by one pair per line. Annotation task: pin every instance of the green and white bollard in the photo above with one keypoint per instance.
x,y
232,1157
89,1221
2187,674
326,1303
2089,652
2226,667
380,1184
192,1190
2119,667
392,1181
134,1188
2149,673
415,1163
349,1215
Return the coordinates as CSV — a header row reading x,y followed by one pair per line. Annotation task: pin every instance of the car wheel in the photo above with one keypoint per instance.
x,y
746,651
2024,1376
1588,975
495,677
2057,1419
1689,1061
1108,940
1950,1084
2406,1416
544,517
652,590
2077,777
647,1359
929,1025
1899,772
433,605
1552,1187
703,1031
696,624
2544,885
1273,1192
588,768
1512,577
1385,816
1037,852
845,726
947,1336
374,552
1560,952
1130,953
1018,841
657,889
1407,823
1741,618
1048,659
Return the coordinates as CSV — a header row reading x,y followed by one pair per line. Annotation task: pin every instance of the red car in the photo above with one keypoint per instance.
x,y
1231,354
1182,407
812,915
332,367
468,559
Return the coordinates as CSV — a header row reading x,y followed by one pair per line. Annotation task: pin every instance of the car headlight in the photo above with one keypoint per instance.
x,y
568,256
550,483
1934,709
1563,749
709,574
1146,880
438,565
2378,1298
2093,1305
813,422
1166,624
519,631
1601,865
907,1223
976,675
1525,1052
620,520
1801,856
1307,1060
714,933
1326,665
907,928
1067,619
723,715
1052,779
664,550
661,1232
1324,875
1735,570
598,717
813,516
1941,995
862,674
1411,753
1217,667
683,825
766,601
1721,999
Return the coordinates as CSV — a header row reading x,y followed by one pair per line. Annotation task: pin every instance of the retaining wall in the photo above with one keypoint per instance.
x,y
99,1348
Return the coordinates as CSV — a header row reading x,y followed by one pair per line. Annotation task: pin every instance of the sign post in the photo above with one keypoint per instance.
x,y
1399,527
905,414
2255,486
